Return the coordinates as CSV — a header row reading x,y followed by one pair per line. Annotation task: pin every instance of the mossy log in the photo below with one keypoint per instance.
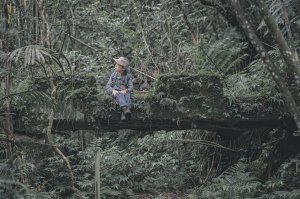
x,y
180,102
174,102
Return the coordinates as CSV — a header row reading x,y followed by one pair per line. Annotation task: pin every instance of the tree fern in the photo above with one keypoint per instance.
x,y
233,183
223,55
254,80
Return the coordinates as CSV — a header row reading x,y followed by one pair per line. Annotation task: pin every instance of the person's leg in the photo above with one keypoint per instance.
x,y
123,117
127,97
121,100
127,112
124,102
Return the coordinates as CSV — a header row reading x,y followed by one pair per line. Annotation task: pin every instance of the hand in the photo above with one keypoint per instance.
x,y
123,91
115,92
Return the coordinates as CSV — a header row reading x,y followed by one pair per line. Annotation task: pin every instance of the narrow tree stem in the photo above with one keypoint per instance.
x,y
271,67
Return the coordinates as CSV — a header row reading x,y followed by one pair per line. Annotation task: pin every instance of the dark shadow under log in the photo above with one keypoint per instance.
x,y
223,127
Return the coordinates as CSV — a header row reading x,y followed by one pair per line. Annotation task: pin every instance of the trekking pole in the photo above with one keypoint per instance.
x,y
143,73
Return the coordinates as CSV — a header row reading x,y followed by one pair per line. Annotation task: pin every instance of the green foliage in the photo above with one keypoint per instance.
x,y
235,182
184,93
129,165
286,177
156,37
14,189
224,55
276,10
132,165
255,80
135,165
13,183
294,194
33,56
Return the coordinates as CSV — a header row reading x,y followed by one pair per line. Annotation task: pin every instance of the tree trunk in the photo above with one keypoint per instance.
x,y
82,140
45,40
20,23
97,175
289,55
274,71
222,9
6,15
35,11
8,122
221,126
49,131
26,25
297,7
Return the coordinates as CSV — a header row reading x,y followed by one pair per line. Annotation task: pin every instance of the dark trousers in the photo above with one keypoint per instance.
x,y
123,99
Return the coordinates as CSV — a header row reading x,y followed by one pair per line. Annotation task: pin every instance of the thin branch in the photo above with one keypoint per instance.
x,y
94,49
23,141
203,142
143,73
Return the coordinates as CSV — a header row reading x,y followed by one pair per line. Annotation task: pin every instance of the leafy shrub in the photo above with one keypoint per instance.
x,y
234,183
146,165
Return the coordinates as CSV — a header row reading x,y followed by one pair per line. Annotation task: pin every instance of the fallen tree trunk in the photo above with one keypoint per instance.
x,y
177,102
229,127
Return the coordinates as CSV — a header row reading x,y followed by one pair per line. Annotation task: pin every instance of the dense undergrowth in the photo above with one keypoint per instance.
x,y
177,164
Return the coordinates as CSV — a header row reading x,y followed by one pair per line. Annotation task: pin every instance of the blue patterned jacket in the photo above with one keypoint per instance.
x,y
117,82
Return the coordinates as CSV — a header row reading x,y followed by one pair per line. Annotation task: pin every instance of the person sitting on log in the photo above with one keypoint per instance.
x,y
120,86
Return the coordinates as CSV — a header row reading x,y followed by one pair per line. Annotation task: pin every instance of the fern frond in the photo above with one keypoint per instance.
x,y
225,53
31,55
238,167
35,55
295,194
38,99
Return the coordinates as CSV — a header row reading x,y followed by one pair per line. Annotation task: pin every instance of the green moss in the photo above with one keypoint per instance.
x,y
182,85
186,96
168,103
173,96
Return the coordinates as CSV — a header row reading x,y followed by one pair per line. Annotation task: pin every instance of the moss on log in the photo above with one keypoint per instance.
x,y
174,102
187,96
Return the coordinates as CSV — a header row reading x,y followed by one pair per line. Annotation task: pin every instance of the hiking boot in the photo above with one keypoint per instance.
x,y
123,108
127,113
123,118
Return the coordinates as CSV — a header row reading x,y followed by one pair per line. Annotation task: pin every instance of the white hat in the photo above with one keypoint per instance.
x,y
123,61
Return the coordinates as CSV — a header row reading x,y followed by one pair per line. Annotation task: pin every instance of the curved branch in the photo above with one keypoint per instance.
x,y
49,131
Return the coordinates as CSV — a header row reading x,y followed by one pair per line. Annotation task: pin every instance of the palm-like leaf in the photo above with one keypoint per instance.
x,y
35,55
